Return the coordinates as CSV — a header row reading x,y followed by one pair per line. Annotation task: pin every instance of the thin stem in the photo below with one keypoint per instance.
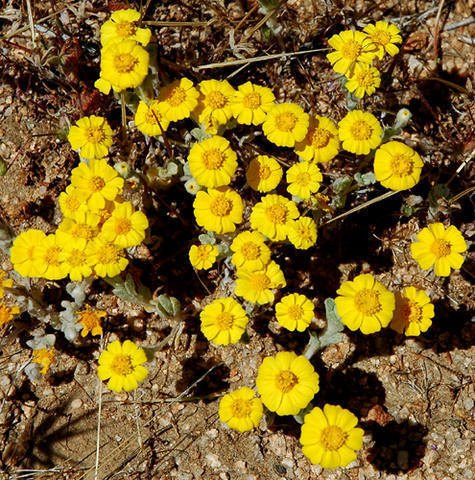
x,y
99,411
124,115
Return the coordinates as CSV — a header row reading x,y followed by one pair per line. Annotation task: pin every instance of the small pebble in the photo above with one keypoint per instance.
x,y
76,404
213,460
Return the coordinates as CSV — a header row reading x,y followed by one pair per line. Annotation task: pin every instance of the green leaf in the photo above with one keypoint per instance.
x,y
342,184
207,239
365,179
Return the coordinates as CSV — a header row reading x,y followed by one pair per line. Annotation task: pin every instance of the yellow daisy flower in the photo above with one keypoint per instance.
x,y
383,36
123,65
272,215
351,47
44,357
397,166
203,257
84,224
71,201
7,283
121,364
92,136
302,233
285,124
212,162
90,320
241,410
364,80
304,179
440,248
23,251
7,313
359,132
78,264
250,250
263,173
48,257
179,98
251,103
121,26
223,321
286,383
106,257
330,437
256,285
321,143
294,312
218,210
126,226
365,304
97,182
413,312
215,102
151,119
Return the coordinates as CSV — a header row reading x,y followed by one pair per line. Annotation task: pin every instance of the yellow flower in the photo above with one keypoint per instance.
x,y
92,136
287,383
359,132
48,257
365,80
218,210
321,143
440,248
329,437
106,257
263,173
78,264
151,119
124,65
7,313
294,312
256,285
84,224
90,320
212,162
23,251
365,304
285,124
240,409
71,201
215,102
351,47
121,26
202,257
179,99
383,36
320,202
251,103
250,250
397,166
413,312
7,283
97,182
223,321
302,233
304,179
126,226
44,357
272,215
121,364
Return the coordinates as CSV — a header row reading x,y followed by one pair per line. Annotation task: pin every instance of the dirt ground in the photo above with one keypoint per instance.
x,y
414,397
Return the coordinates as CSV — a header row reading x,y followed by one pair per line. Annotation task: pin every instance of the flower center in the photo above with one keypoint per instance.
x,y
122,364
123,226
153,117
441,248
51,256
176,96
108,253
401,165
260,282
303,179
277,213
286,121
250,251
321,138
96,184
285,381
332,438
95,135
264,172
77,258
203,253
125,62
351,50
367,302
360,130
224,321
82,230
305,233
221,206
381,37
216,100
241,408
411,311
213,159
124,29
252,100
365,79
88,319
72,203
295,312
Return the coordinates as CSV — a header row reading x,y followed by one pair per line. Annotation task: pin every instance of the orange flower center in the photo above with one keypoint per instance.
x,y
321,138
401,165
264,172
95,134
411,311
125,29
152,116
303,179
241,408
216,100
176,96
304,232
250,251
108,253
252,100
89,319
125,62
286,121
123,226
286,381
295,312
351,50
360,130
213,159
381,37
72,203
122,364
51,256
364,78
224,321
277,213
221,206
77,258
441,248
260,282
96,184
332,438
367,302
82,230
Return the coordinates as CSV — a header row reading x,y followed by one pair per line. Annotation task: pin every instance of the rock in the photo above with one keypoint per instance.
x,y
76,404
213,460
